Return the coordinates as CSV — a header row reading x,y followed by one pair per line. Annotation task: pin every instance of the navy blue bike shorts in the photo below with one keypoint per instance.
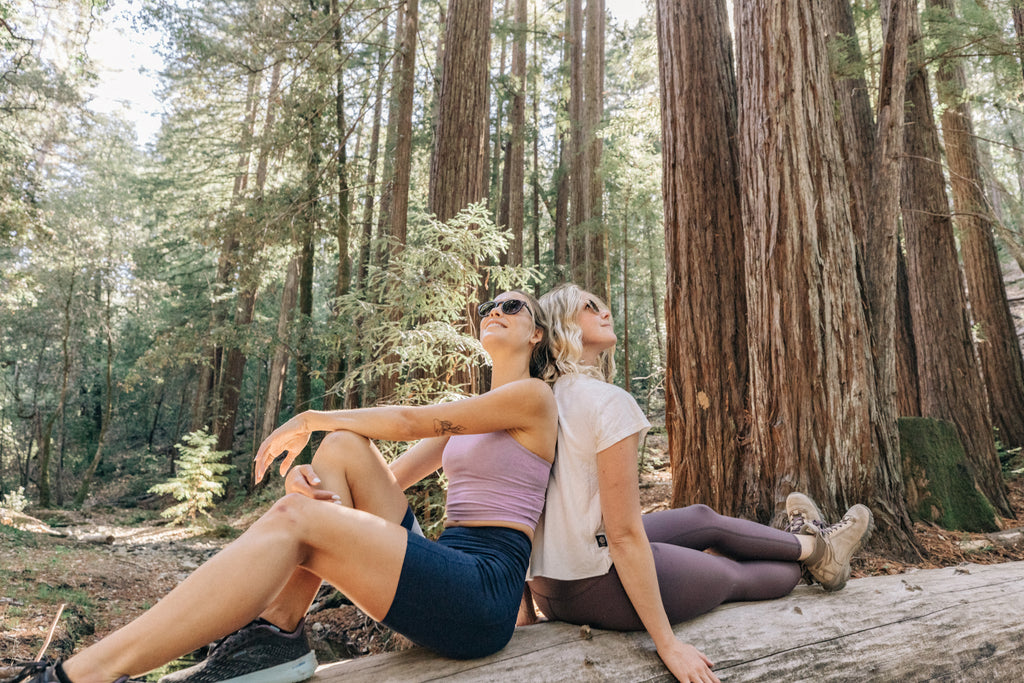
x,y
459,596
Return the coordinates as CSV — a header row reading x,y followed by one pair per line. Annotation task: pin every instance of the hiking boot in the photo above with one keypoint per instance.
x,y
256,653
829,562
802,512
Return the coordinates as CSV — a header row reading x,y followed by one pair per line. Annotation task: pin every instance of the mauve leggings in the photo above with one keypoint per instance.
x,y
761,565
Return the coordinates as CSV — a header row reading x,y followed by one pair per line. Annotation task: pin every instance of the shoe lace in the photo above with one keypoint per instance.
x,y
218,648
846,521
799,521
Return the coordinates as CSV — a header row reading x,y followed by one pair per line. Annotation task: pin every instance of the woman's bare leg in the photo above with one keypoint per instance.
x,y
359,552
352,467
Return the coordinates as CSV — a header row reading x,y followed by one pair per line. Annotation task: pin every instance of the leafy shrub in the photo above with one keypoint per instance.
x,y
15,500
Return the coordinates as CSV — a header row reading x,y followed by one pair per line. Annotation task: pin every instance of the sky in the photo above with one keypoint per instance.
x,y
129,67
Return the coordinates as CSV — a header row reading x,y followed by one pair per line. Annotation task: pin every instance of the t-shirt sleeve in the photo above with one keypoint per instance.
x,y
619,417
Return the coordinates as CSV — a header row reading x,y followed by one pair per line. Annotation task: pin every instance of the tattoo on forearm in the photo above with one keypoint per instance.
x,y
442,427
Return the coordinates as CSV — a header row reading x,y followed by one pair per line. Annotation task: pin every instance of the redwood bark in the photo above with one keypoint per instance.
x,y
705,293
811,373
949,378
1002,367
459,163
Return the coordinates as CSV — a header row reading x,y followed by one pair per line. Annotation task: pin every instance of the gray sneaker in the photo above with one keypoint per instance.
x,y
257,653
834,546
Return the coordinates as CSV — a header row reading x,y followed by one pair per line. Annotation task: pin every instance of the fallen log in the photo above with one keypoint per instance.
x,y
957,623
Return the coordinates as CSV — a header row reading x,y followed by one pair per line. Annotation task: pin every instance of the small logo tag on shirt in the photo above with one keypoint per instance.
x,y
602,541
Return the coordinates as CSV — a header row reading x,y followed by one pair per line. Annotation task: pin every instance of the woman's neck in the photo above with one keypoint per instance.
x,y
506,370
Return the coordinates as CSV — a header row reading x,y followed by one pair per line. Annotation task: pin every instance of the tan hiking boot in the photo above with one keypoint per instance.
x,y
829,562
802,512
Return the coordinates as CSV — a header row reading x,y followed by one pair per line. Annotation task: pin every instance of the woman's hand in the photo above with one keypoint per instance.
x,y
289,438
304,480
687,663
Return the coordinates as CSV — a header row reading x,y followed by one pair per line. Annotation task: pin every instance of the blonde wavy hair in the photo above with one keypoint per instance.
x,y
562,307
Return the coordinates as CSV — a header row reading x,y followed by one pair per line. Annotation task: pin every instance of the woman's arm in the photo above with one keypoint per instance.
x,y
418,461
631,554
522,404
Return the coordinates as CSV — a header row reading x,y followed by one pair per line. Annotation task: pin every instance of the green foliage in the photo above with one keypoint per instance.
x,y
412,315
15,500
199,478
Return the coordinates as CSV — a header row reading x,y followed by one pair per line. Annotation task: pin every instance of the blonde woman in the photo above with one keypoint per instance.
x,y
596,560
345,520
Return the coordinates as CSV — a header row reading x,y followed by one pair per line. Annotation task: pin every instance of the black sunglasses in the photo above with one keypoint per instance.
x,y
592,305
508,307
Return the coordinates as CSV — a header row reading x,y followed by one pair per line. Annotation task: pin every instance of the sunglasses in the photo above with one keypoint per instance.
x,y
508,307
592,306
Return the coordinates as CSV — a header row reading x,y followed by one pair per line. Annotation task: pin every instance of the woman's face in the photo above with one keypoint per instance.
x,y
509,325
595,321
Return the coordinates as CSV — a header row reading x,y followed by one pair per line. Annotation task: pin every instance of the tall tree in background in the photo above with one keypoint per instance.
x,y
512,206
458,165
705,296
587,235
949,379
593,110
1001,364
811,374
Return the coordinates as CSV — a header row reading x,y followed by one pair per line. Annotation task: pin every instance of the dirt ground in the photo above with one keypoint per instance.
x,y
106,571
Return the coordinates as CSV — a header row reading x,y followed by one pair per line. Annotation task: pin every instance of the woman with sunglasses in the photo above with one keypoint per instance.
x,y
345,520
598,561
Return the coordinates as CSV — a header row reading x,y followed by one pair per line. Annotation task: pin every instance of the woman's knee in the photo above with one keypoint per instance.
x,y
340,448
287,515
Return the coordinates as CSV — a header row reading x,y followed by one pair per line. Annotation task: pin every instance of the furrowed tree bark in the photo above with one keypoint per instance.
x,y
459,162
705,291
811,375
949,379
1002,367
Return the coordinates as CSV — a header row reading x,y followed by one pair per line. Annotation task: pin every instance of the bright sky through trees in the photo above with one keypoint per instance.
x,y
129,68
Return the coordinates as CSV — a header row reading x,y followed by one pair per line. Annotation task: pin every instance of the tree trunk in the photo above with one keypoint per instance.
x,y
1002,367
403,124
209,371
83,489
498,180
279,362
459,162
705,297
517,138
950,381
596,256
579,173
563,131
343,228
811,374
878,263
248,282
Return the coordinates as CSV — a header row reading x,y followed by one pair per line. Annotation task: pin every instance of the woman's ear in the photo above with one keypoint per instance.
x,y
537,337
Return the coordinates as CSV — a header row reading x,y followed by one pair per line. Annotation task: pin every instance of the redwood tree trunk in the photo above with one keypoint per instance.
x,y
811,374
1001,364
949,378
459,163
705,295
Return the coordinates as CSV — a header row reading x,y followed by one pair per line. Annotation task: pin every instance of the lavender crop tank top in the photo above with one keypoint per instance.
x,y
493,477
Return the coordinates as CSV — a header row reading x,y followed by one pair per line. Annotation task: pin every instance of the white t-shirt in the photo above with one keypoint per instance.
x,y
593,415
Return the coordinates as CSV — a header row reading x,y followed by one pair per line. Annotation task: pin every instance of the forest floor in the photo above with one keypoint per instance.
x,y
109,565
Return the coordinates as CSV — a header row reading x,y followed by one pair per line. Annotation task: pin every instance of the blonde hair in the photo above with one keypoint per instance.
x,y
562,306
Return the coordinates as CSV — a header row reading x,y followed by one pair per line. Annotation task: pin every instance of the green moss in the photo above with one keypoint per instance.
x,y
940,485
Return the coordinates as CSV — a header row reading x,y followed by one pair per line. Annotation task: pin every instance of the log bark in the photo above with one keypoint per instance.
x,y
956,623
